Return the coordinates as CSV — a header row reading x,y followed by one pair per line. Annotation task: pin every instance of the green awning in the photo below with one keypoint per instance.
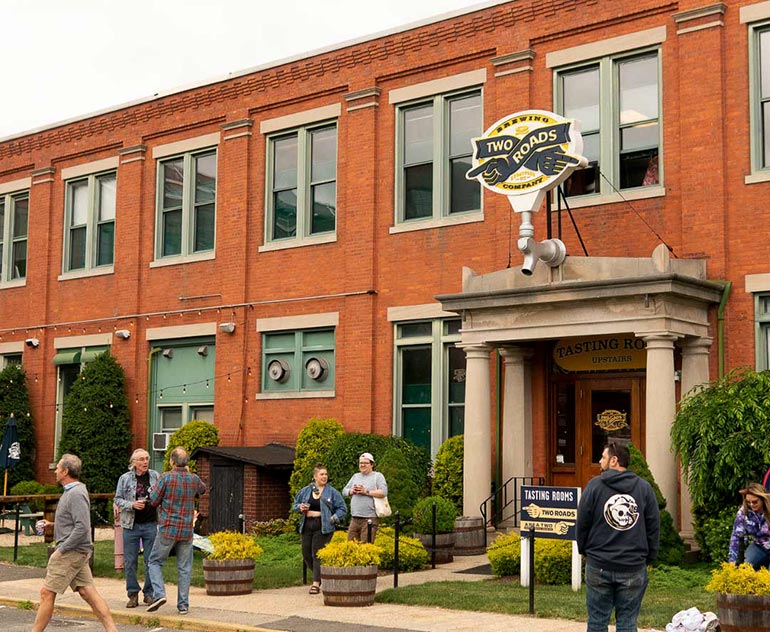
x,y
91,352
67,356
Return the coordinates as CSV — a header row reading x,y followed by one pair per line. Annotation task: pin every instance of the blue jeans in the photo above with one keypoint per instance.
x,y
184,561
622,591
756,556
146,533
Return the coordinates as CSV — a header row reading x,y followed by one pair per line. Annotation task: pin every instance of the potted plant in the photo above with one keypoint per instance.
x,y
349,573
229,567
438,538
743,597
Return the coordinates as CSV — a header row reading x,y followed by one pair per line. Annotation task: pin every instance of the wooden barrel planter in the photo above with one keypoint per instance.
x,y
228,577
743,613
445,545
469,536
349,586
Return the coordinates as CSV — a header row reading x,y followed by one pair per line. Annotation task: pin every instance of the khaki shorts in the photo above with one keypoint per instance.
x,y
68,569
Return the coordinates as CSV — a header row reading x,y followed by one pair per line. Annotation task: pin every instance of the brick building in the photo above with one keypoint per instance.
x,y
270,247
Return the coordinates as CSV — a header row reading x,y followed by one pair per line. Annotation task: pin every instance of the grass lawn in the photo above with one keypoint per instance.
x,y
671,589
279,566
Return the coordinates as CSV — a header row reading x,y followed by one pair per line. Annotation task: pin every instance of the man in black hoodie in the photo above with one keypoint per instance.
x,y
618,530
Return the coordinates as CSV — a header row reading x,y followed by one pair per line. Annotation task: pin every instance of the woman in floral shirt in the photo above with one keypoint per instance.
x,y
753,519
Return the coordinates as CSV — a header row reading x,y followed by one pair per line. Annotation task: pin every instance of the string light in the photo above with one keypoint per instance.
x,y
184,389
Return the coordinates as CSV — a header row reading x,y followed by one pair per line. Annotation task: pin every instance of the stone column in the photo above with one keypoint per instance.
x,y
661,408
517,413
477,462
695,371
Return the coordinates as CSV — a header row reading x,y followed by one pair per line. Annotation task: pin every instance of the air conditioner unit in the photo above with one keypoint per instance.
x,y
160,441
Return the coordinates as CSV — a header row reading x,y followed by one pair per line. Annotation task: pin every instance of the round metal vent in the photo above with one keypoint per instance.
x,y
317,369
279,371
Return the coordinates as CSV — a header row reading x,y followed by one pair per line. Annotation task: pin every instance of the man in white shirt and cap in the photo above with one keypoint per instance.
x,y
363,488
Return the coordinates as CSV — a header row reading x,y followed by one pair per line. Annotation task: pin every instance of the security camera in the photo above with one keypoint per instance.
x,y
123,334
227,328
32,342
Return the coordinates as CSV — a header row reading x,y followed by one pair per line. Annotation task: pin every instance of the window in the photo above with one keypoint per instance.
x,y
14,215
760,102
187,204
8,359
69,363
430,382
435,152
617,101
298,361
762,321
89,240
302,191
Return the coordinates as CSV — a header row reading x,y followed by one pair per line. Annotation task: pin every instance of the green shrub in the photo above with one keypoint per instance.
x,y
277,526
713,533
412,555
231,545
423,515
14,398
553,561
96,424
403,490
448,472
504,555
341,459
191,436
312,444
349,553
25,488
671,549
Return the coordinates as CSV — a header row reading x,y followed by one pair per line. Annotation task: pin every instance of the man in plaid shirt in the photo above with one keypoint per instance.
x,y
174,495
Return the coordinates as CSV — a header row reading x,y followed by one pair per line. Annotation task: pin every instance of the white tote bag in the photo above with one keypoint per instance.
x,y
382,507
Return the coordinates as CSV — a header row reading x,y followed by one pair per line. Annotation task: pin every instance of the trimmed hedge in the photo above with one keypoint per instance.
x,y
412,555
191,436
448,472
553,559
312,445
423,515
504,555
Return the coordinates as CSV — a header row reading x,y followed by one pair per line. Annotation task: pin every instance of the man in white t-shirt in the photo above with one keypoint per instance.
x,y
363,488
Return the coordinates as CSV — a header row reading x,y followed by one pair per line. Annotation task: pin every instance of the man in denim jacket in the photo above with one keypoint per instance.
x,y
139,520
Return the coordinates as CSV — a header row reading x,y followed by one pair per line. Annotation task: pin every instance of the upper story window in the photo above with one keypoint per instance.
x,y
760,95
762,322
8,359
14,216
302,183
187,187
89,239
434,152
617,101
298,361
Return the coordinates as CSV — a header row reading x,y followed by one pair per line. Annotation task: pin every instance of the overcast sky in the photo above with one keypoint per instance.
x,y
65,58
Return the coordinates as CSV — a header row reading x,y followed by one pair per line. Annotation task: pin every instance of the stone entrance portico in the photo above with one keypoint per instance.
x,y
661,300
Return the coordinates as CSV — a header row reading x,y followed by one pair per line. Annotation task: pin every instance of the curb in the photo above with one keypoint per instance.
x,y
147,619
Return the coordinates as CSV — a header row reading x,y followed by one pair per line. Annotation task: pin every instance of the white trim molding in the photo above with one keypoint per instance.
x,y
755,12
90,340
300,118
605,47
757,282
15,185
89,167
403,313
438,86
306,321
189,144
181,331
11,347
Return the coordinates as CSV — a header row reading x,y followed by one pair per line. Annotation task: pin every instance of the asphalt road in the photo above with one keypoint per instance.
x,y
17,620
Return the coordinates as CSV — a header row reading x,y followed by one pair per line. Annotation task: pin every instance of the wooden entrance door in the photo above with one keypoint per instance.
x,y
225,496
606,409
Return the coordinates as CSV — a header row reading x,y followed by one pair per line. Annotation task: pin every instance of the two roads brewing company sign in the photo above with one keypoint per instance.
x,y
551,511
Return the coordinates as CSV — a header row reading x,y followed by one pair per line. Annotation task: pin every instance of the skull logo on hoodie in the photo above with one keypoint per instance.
x,y
621,512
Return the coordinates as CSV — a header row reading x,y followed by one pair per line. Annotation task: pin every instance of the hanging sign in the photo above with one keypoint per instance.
x,y
601,353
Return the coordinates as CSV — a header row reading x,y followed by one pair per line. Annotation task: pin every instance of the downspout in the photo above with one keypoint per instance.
x,y
498,416
149,398
726,287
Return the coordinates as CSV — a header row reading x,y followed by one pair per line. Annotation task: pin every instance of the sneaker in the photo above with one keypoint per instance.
x,y
133,600
148,599
183,610
157,603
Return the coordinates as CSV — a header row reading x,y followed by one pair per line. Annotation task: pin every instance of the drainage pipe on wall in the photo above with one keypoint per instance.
x,y
726,288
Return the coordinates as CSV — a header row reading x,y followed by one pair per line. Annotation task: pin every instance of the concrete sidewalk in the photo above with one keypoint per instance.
x,y
293,609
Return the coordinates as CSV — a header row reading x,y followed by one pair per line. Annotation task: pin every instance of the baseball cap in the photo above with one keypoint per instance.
x,y
367,456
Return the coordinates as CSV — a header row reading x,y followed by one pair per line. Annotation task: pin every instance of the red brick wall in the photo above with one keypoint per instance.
x,y
707,212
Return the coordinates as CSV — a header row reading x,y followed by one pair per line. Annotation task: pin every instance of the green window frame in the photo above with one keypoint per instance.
x,y
302,183
762,330
187,191
433,154
298,361
14,224
89,234
429,382
617,100
759,99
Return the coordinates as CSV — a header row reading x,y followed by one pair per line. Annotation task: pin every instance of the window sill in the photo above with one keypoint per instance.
x,y
81,274
326,238
15,283
295,395
451,220
182,259
757,176
629,195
